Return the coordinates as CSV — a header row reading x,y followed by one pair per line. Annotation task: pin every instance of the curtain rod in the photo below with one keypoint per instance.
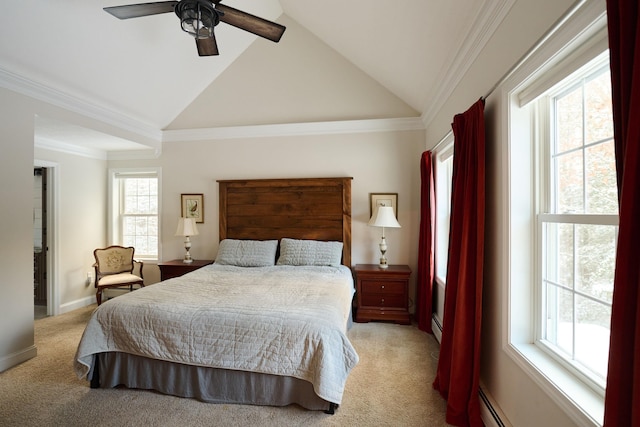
x,y
442,140
551,31
555,27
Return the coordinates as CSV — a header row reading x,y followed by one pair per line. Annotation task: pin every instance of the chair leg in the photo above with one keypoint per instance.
x,y
99,296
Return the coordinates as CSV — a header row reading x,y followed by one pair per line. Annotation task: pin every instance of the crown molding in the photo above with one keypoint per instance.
x,y
94,153
35,90
38,91
295,129
479,35
62,147
152,153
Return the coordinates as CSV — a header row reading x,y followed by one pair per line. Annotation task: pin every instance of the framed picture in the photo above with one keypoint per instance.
x,y
193,206
384,199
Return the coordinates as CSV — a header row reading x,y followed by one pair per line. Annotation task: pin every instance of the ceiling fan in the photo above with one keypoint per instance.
x,y
198,17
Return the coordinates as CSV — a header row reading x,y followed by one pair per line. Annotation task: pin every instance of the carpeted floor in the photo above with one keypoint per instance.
x,y
391,386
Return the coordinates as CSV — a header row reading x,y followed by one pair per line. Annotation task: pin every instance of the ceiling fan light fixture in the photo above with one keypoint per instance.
x,y
197,17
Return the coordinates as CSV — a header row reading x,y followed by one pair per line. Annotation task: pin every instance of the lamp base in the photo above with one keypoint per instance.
x,y
383,252
187,246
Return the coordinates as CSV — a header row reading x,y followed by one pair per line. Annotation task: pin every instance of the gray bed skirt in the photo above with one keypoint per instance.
x,y
204,384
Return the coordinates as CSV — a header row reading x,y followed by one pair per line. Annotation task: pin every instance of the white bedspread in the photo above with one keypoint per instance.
x,y
278,320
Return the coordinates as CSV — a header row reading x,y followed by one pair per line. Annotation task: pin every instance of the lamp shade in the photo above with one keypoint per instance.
x,y
187,227
384,217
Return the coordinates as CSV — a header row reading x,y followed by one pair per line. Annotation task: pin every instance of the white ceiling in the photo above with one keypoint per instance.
x,y
147,70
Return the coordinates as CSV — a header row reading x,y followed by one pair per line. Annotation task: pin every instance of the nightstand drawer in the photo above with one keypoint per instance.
x,y
383,300
382,293
383,287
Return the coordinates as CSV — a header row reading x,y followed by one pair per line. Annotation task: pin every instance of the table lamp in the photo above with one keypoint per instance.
x,y
187,227
384,217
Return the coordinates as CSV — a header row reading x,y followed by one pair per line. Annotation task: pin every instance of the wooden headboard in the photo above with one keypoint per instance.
x,y
303,208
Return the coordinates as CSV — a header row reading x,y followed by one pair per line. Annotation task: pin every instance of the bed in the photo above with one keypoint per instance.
x,y
265,324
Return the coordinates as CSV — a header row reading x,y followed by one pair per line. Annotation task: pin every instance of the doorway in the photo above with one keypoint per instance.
x,y
48,242
40,247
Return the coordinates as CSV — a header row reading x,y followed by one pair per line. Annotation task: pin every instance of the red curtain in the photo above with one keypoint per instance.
x,y
426,267
458,373
622,398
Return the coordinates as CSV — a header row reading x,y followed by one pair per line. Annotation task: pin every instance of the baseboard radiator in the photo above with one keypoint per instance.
x,y
488,409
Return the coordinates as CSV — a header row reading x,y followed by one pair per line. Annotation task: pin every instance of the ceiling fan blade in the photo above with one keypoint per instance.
x,y
207,47
254,24
142,9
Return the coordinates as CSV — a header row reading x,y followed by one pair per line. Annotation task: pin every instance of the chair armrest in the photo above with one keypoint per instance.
x,y
97,275
135,261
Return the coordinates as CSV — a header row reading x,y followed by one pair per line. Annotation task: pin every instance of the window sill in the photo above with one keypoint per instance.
x,y
579,401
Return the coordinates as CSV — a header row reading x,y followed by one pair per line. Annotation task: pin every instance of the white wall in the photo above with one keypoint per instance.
x,y
81,220
307,80
16,222
520,399
80,189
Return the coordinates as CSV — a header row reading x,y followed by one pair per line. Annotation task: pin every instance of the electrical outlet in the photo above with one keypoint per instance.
x,y
89,278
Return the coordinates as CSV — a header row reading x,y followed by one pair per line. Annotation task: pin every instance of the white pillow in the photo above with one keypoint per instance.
x,y
309,252
247,253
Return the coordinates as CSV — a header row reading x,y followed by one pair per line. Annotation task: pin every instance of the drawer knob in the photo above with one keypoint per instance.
x,y
382,300
381,286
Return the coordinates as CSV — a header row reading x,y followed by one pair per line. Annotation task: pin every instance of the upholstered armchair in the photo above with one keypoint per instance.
x,y
114,268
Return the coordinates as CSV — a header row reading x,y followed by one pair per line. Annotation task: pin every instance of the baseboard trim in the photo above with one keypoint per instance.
x,y
436,328
488,408
489,411
18,357
79,303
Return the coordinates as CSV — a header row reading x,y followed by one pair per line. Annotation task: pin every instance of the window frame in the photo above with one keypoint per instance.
x,y
443,184
580,37
443,181
544,123
116,195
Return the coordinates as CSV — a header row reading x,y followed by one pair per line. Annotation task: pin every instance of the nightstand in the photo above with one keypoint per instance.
x,y
382,294
177,268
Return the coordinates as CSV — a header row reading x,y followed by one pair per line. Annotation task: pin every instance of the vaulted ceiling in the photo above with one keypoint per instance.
x,y
337,61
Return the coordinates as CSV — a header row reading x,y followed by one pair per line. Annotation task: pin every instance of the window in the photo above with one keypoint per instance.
x,y
443,179
578,223
559,220
135,211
